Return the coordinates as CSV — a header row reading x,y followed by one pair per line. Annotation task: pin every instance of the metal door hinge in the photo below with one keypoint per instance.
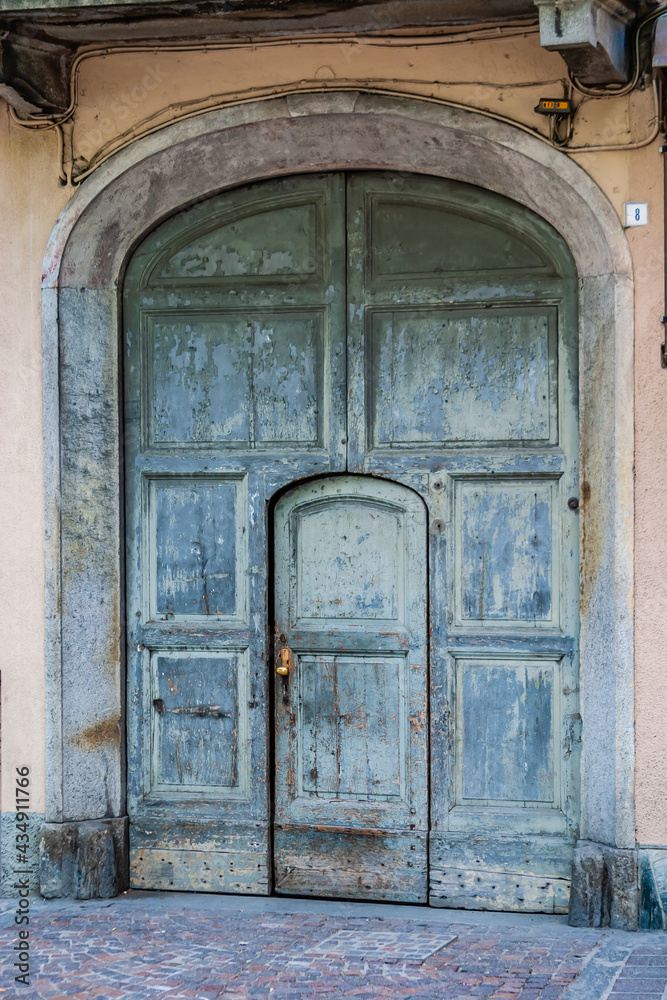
x,y
663,346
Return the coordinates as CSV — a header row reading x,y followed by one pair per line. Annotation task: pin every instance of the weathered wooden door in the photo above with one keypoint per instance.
x,y
419,334
351,816
462,382
235,386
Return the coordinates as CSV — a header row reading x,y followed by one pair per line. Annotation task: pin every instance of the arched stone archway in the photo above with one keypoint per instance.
x,y
83,845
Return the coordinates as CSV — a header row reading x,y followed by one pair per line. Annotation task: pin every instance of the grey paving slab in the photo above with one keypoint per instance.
x,y
380,945
623,966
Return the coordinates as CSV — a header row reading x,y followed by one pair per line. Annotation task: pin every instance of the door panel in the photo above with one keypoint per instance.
x,y
197,548
493,376
235,385
507,552
259,240
416,233
351,716
360,542
239,378
462,383
505,737
351,811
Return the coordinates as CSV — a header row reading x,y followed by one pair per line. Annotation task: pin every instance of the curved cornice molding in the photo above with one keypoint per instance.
x,y
145,183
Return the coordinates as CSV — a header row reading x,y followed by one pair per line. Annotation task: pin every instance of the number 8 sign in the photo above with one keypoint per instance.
x,y
636,213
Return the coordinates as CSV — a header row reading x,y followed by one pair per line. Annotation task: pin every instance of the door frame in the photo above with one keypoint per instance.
x,y
82,345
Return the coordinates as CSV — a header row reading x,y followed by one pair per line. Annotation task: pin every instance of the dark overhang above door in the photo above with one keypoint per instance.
x,y
39,40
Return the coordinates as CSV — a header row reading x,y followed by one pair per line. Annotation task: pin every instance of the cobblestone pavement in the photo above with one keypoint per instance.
x,y
173,947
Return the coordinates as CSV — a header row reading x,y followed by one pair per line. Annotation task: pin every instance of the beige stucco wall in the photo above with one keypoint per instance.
x,y
123,95
30,199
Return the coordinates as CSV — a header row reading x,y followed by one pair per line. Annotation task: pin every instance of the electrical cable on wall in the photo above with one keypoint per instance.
x,y
72,173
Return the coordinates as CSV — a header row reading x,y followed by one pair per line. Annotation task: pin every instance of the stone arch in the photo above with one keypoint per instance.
x,y
87,253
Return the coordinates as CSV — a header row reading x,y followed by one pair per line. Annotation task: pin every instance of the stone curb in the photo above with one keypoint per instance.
x,y
600,972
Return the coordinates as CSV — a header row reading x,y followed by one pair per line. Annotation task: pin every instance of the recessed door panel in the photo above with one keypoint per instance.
x,y
197,547
351,716
507,551
353,720
271,241
350,562
246,378
412,236
200,722
460,377
506,731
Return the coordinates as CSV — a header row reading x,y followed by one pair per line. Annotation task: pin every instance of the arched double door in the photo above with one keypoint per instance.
x,y
352,571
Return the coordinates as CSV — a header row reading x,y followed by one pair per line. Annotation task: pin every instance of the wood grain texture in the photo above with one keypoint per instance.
x,y
496,873
351,864
198,871
352,725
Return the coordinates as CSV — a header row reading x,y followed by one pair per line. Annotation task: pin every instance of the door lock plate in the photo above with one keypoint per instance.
x,y
285,662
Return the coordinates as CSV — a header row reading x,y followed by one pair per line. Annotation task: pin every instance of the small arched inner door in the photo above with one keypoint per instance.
x,y
416,337
351,798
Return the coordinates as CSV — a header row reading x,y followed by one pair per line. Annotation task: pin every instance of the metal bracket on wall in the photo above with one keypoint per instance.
x,y
663,346
590,35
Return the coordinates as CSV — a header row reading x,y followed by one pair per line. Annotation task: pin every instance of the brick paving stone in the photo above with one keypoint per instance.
x,y
628,996
133,952
644,972
651,987
649,960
